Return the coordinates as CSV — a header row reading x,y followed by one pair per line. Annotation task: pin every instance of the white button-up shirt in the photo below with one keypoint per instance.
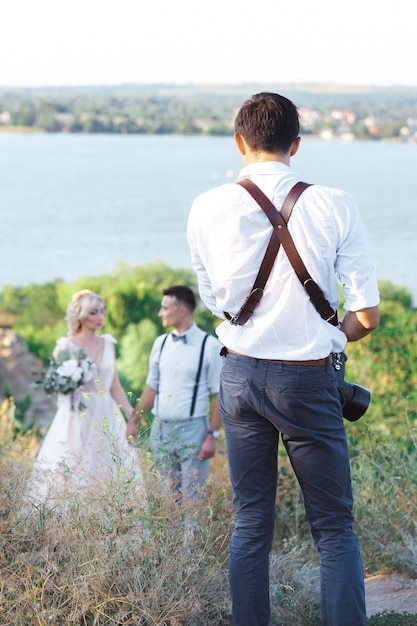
x,y
228,234
172,373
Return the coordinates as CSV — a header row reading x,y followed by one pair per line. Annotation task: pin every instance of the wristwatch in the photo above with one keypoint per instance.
x,y
214,433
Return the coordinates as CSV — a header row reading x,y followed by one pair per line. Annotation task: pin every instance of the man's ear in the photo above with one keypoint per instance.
x,y
295,146
240,142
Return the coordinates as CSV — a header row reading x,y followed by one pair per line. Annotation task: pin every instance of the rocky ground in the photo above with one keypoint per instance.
x,y
17,368
393,593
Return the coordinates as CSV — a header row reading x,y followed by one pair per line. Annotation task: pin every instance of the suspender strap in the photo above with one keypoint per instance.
x,y
197,378
159,360
162,346
271,252
280,228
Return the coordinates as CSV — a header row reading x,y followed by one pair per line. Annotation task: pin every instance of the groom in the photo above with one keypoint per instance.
x,y
184,375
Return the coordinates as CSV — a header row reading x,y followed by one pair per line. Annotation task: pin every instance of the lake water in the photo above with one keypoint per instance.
x,y
74,205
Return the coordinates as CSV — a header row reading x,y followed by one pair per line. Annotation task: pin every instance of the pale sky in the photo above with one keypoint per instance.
x,y
91,42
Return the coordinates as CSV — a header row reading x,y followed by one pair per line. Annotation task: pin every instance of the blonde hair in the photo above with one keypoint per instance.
x,y
81,305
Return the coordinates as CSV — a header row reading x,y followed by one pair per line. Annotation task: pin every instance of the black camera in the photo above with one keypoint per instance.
x,y
355,399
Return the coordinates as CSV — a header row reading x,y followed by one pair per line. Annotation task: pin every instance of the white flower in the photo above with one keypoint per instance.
x,y
69,369
77,375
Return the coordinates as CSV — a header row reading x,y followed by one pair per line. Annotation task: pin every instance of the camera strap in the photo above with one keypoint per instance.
x,y
271,252
281,235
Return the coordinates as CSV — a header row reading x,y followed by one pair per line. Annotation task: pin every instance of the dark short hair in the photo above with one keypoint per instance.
x,y
268,122
184,295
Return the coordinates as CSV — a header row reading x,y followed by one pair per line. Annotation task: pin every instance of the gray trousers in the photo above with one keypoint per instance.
x,y
261,401
175,445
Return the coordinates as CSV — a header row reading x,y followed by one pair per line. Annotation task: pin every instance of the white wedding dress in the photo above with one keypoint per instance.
x,y
86,445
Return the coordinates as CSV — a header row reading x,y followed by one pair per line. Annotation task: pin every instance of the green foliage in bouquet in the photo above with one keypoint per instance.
x,y
66,373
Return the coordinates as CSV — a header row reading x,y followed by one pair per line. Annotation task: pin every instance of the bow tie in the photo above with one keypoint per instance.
x,y
176,337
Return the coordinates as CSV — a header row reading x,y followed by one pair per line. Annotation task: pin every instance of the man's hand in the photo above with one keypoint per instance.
x,y
208,448
144,403
132,428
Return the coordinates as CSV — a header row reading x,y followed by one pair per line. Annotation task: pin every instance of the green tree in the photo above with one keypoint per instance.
x,y
135,347
24,115
46,118
38,315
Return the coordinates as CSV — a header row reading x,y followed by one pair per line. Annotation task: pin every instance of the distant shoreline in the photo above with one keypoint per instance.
x,y
21,129
328,111
30,130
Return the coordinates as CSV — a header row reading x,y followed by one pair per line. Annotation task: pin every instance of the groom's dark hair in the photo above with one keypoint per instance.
x,y
184,295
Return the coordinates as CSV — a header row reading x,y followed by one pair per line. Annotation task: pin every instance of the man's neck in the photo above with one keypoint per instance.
x,y
264,157
182,328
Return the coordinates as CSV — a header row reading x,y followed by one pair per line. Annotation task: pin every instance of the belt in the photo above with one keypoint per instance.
x,y
313,362
178,420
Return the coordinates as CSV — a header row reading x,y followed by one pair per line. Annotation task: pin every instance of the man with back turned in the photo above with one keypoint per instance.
x,y
277,377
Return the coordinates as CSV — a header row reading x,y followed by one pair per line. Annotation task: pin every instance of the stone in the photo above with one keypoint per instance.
x,y
17,368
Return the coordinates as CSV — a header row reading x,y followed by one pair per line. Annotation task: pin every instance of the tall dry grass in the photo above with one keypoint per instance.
x,y
384,477
109,558
106,557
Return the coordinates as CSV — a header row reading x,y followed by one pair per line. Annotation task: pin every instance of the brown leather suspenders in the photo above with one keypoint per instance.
x,y
280,235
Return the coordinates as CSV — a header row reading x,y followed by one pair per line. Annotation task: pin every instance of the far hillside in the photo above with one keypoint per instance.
x,y
357,112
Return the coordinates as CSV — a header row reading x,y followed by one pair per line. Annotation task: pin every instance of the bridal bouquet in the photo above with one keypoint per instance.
x,y
66,374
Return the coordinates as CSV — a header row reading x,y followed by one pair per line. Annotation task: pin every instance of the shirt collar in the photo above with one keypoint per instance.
x,y
263,168
188,333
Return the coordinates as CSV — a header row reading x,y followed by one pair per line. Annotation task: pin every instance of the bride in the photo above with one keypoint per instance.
x,y
86,444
